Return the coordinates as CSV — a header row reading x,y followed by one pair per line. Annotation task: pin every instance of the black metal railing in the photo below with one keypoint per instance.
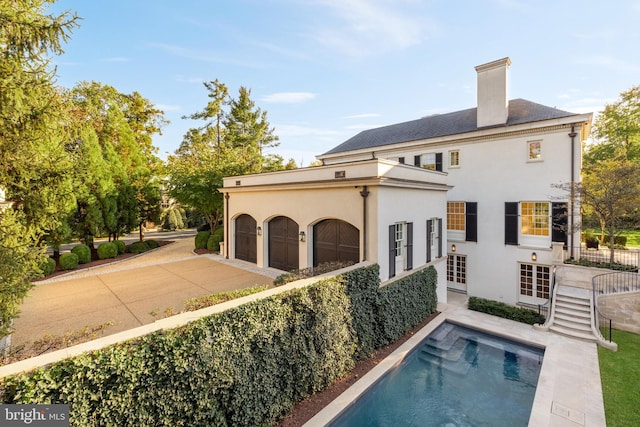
x,y
611,283
544,309
615,259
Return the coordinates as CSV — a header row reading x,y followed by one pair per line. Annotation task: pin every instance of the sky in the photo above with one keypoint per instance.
x,y
325,70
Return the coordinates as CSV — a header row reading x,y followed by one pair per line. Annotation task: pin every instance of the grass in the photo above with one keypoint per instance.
x,y
620,376
633,236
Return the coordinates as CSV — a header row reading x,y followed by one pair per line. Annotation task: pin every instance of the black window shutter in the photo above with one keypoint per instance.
x,y
429,228
439,162
511,223
409,245
439,237
416,160
471,221
560,222
392,251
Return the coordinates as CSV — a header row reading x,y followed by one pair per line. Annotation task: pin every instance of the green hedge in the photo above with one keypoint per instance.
x,y
138,247
107,250
201,239
48,266
122,247
83,252
246,366
68,261
152,244
505,311
213,243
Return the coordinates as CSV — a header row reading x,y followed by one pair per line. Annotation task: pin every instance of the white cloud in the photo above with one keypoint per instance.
x,y
288,97
362,116
371,26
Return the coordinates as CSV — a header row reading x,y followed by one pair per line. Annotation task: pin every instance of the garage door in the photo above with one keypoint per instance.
x,y
283,243
335,240
246,238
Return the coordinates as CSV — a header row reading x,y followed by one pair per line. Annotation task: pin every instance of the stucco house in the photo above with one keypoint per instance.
x,y
507,222
472,192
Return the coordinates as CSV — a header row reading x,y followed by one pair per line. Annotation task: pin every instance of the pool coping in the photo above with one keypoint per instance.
x,y
569,392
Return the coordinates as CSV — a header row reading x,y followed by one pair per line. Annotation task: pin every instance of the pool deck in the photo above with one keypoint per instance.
x,y
569,391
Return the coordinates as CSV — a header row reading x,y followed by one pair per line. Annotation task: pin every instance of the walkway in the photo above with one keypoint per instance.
x,y
130,293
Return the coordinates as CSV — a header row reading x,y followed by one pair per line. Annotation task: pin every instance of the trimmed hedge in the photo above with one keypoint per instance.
x,y
213,243
201,239
197,303
48,266
152,244
107,250
246,366
122,247
138,247
68,261
83,252
500,309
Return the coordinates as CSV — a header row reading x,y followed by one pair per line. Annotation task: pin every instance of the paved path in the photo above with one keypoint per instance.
x,y
132,292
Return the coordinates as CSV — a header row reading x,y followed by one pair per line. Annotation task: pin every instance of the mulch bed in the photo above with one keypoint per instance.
x,y
305,410
96,263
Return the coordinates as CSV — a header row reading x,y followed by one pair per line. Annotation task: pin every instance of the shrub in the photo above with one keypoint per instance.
x,y
107,250
246,366
152,244
48,266
122,247
201,239
213,243
219,232
68,261
220,297
138,247
505,311
83,252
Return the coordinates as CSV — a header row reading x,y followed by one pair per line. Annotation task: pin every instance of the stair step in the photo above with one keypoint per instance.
x,y
573,306
453,352
574,292
586,321
579,327
572,333
567,311
460,367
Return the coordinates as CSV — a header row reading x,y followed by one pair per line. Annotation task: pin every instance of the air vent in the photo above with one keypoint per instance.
x,y
340,174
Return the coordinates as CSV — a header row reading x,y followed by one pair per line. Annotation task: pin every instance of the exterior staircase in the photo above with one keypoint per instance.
x,y
571,315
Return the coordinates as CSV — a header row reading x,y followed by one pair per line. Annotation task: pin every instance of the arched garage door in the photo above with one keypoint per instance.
x,y
335,240
246,238
283,243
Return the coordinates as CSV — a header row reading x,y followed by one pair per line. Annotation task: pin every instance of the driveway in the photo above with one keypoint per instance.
x,y
131,293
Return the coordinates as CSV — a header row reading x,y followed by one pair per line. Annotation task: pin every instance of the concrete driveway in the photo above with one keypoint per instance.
x,y
129,294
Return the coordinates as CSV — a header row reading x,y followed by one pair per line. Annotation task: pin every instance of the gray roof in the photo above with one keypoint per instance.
x,y
520,111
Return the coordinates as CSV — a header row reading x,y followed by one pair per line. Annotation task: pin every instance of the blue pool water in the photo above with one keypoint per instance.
x,y
455,377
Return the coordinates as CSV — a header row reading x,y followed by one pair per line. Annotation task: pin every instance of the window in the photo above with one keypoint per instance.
x,y
534,150
455,216
434,233
534,218
534,281
401,160
454,159
399,238
431,161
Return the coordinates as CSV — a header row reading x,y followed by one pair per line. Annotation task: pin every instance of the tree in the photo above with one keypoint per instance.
x,y
611,190
34,161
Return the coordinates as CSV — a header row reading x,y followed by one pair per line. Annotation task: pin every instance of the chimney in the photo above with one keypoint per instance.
x,y
493,103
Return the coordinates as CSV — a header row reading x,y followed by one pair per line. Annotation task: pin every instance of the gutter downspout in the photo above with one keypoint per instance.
x,y
364,193
226,226
572,135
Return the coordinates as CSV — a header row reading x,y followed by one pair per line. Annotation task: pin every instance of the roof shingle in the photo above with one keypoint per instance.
x,y
520,111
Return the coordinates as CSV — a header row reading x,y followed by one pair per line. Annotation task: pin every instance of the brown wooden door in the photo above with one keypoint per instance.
x,y
335,240
246,242
283,243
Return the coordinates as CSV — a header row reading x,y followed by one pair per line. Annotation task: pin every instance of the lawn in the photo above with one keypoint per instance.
x,y
620,375
633,236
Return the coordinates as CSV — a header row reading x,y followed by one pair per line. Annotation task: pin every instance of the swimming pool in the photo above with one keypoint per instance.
x,y
457,376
